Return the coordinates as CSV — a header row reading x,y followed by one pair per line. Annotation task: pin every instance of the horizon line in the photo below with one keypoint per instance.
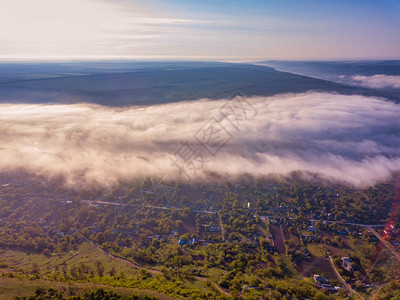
x,y
180,59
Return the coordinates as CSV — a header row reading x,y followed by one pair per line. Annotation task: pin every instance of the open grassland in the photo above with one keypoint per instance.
x,y
32,270
86,253
13,287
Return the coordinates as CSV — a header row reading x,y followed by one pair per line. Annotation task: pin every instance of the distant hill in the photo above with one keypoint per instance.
x,y
146,83
337,71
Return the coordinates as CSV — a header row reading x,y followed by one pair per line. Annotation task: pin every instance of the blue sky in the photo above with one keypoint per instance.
x,y
205,30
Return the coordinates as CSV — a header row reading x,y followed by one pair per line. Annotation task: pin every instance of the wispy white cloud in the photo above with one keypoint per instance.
x,y
378,81
348,138
46,28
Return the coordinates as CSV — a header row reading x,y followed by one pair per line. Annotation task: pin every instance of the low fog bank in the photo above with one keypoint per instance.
x,y
378,81
352,139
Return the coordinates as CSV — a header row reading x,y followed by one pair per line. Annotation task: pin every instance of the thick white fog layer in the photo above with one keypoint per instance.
x,y
378,81
348,138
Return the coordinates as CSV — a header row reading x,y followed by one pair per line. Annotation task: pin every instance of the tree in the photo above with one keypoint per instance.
x,y
100,238
235,205
179,224
99,268
233,236
112,271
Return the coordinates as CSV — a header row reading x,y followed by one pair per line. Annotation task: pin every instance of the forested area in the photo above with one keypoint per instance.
x,y
244,239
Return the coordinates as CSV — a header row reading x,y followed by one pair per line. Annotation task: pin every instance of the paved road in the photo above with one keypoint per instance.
x,y
330,221
348,287
377,288
92,202
349,223
387,244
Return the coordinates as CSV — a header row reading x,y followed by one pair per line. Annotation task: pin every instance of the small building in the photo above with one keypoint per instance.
x,y
329,287
311,228
181,242
214,228
346,264
320,279
373,238
282,208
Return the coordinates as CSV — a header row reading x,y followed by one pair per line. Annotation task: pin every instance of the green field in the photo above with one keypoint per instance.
x,y
14,287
